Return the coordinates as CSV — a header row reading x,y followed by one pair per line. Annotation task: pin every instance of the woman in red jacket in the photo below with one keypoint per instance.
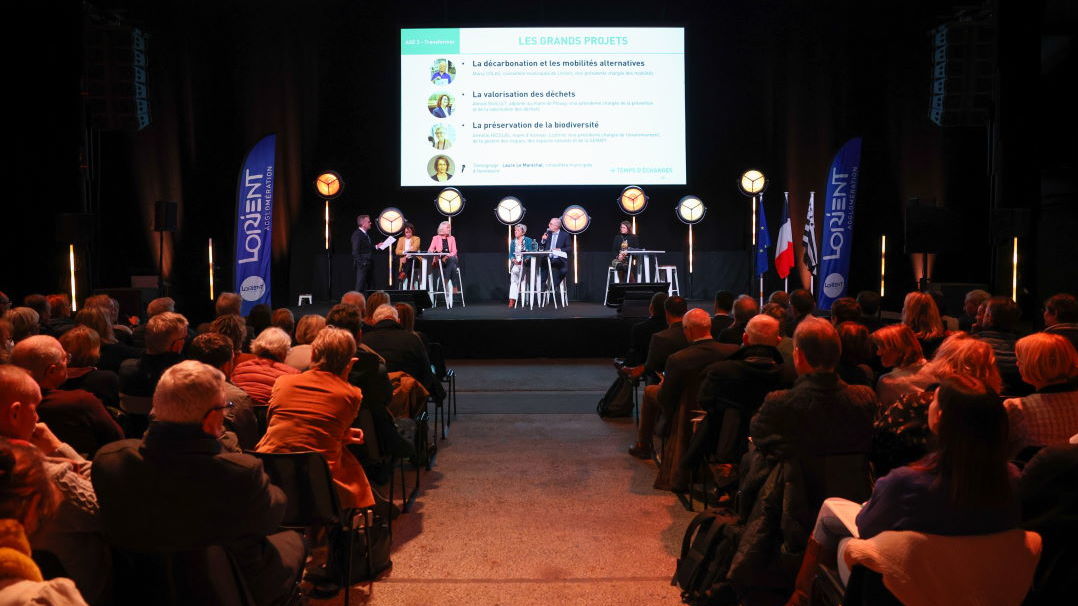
x,y
257,376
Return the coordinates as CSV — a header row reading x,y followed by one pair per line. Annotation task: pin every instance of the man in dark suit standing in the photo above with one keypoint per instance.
x,y
554,239
176,490
362,249
724,302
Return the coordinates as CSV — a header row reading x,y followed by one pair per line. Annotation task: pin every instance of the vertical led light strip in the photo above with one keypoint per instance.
x,y
752,227
327,224
634,224
71,267
576,274
509,248
690,248
211,269
1014,271
883,261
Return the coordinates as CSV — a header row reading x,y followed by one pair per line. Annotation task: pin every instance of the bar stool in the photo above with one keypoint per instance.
x,y
446,288
611,273
668,273
303,297
564,298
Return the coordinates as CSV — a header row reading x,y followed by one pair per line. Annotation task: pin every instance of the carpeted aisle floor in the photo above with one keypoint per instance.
x,y
533,500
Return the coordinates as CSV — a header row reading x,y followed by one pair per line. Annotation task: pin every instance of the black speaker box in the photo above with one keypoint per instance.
x,y
164,215
616,294
419,299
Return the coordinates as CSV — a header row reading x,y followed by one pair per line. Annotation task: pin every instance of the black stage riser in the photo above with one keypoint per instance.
x,y
530,337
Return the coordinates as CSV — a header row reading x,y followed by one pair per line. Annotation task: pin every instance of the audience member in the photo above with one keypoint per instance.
x,y
157,306
377,299
215,349
402,350
663,343
111,307
406,316
786,345
1061,317
950,323
257,376
166,334
745,307
780,297
901,432
802,304
1049,495
681,381
870,300
175,490
964,487
355,298
25,322
84,347
299,357
259,318
314,411
59,320
234,327
6,342
900,351
733,390
723,319
228,304
640,335
72,534
40,304
286,321
919,312
1049,416
5,303
113,353
845,309
998,329
971,304
27,500
77,417
853,366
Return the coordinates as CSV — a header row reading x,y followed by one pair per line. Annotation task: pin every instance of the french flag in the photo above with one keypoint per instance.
x,y
784,248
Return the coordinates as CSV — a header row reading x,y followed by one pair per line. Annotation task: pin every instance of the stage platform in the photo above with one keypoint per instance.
x,y
492,330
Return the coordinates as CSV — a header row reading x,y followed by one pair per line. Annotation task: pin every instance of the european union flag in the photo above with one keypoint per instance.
x,y
763,240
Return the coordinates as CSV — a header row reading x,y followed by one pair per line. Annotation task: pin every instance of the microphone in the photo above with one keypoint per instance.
x,y
546,235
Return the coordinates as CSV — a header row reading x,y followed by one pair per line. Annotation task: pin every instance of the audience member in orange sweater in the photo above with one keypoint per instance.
x,y
257,376
313,411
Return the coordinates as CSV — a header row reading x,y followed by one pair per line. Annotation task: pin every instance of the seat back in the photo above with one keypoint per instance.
x,y
261,412
836,475
305,479
209,577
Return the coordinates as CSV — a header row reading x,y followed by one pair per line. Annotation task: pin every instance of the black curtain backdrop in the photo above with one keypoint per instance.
x,y
772,85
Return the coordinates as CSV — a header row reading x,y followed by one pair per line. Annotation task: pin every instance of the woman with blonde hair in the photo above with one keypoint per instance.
x,y
920,313
444,265
900,432
900,351
377,299
113,353
1049,416
299,357
84,347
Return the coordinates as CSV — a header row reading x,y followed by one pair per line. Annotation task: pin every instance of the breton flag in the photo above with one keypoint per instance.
x,y
784,248
809,237
763,240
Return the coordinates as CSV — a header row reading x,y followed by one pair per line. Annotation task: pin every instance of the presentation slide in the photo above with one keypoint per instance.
x,y
543,106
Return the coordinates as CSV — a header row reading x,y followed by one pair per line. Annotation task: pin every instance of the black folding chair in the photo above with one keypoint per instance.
x,y
209,577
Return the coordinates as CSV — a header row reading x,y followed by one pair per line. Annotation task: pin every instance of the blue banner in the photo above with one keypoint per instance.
x,y
763,238
254,224
836,246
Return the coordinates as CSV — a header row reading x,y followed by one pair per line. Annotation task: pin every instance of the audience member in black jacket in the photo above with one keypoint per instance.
x,y
745,308
1049,493
402,350
724,302
1000,320
640,334
663,343
166,335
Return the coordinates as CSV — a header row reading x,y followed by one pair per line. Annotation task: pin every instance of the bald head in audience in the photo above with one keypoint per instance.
x,y
44,358
762,330
19,397
697,325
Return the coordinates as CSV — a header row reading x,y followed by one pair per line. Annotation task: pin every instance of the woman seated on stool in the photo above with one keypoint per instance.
x,y
623,241
965,487
408,243
444,264
517,247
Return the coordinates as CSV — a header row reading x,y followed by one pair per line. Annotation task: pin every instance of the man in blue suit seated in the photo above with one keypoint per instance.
x,y
556,240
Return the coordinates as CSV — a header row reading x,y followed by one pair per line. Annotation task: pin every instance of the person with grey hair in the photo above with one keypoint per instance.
x,y
257,376
745,307
355,298
25,322
556,240
78,417
517,247
157,306
445,264
402,350
179,473
73,534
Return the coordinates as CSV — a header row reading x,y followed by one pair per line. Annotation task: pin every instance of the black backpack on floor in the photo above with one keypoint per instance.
x,y
706,552
618,399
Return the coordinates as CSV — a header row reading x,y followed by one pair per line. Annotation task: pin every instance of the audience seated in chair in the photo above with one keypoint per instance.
x,y
732,391
60,320
663,343
964,487
314,411
1049,416
1049,495
641,332
377,299
77,416
113,352
84,347
801,305
24,323
724,304
27,500
235,328
745,307
402,350
998,329
284,319
900,351
216,350
157,306
869,302
677,396
857,351
176,491
299,357
72,532
257,376
1061,317
166,334
111,307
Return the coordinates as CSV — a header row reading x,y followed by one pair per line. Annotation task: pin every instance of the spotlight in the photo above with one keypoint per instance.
x,y
752,182
633,201
390,221
328,185
449,202
575,220
509,210
690,210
